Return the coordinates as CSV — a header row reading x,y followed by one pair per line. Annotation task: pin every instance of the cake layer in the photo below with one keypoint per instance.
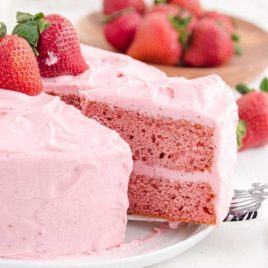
x,y
177,201
63,177
175,144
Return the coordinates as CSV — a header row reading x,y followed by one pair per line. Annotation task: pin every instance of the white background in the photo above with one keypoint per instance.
x,y
233,244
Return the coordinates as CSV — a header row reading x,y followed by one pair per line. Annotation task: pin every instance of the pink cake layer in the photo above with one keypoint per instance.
x,y
202,112
174,144
177,201
63,178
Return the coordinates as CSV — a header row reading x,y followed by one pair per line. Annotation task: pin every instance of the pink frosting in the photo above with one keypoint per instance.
x,y
106,69
121,81
63,180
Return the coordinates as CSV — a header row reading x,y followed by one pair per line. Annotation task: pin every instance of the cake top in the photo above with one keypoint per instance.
x,y
105,68
44,123
202,99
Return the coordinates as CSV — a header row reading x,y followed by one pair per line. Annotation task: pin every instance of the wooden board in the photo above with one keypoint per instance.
x,y
245,68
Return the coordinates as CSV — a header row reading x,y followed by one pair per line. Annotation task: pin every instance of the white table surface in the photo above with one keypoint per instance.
x,y
233,244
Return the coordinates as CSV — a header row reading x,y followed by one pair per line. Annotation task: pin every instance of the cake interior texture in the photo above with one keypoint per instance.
x,y
177,145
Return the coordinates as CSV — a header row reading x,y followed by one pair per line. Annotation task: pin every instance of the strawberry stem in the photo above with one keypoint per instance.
x,y
236,40
180,24
241,132
30,27
243,89
264,85
238,50
156,2
3,29
235,37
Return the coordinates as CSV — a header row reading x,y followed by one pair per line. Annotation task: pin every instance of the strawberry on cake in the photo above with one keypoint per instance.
x,y
64,177
182,133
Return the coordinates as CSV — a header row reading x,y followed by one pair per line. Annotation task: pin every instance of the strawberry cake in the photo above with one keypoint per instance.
x,y
67,197
182,133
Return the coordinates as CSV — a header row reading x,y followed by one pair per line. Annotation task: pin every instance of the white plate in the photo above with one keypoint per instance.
x,y
148,247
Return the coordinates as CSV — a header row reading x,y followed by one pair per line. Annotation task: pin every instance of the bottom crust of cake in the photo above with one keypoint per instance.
x,y
175,201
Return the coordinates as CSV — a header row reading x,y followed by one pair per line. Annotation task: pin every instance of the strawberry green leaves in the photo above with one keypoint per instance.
x,y
236,40
264,85
243,89
160,2
241,133
3,29
30,27
180,24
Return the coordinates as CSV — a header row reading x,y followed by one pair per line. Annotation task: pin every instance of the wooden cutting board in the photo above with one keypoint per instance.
x,y
245,68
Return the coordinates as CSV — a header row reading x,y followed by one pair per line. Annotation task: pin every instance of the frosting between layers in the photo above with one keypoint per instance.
x,y
63,178
156,171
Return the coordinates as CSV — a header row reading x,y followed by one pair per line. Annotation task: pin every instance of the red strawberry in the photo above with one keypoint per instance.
x,y
210,45
221,18
156,41
111,6
121,31
193,6
18,69
253,114
55,41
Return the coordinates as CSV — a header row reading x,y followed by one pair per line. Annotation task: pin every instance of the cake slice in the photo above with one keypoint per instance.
x,y
63,177
182,134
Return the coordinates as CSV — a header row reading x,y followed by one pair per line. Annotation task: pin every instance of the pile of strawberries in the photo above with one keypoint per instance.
x,y
172,32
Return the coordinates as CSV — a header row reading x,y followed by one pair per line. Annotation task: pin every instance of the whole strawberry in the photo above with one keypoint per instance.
x,y
121,31
210,45
193,6
18,66
111,6
55,41
158,39
253,114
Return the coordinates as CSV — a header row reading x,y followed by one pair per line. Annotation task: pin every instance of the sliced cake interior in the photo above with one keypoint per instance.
x,y
182,137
